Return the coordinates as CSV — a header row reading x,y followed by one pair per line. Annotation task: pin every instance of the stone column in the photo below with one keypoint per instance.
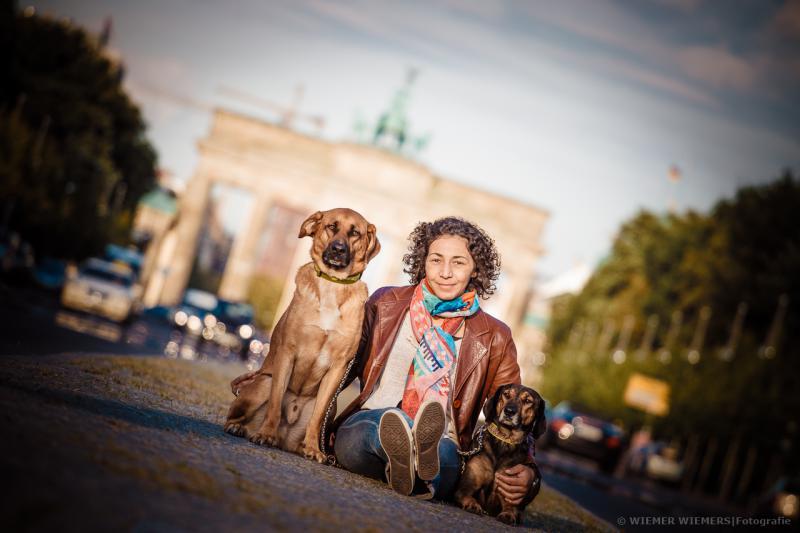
x,y
191,211
241,263
158,276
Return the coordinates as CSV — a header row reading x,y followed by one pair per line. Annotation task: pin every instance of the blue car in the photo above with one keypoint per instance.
x,y
239,333
50,273
196,314
579,430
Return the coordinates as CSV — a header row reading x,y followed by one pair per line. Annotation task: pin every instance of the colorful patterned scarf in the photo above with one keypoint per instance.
x,y
429,374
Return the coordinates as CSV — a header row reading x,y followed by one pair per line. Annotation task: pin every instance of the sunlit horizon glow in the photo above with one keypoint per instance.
x,y
578,107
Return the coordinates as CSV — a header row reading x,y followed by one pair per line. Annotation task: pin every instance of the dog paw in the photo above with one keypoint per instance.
x,y
235,429
472,506
264,439
509,518
314,454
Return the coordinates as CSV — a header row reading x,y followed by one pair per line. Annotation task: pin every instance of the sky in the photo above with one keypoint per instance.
x,y
579,107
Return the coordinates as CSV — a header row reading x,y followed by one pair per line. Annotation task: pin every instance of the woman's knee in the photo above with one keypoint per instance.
x,y
355,444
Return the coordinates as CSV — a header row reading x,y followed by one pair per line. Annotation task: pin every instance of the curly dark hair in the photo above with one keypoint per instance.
x,y
481,248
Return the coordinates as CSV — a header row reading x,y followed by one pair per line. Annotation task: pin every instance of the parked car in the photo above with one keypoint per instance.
x,y
235,326
50,273
579,430
657,460
102,288
222,322
127,255
782,500
196,314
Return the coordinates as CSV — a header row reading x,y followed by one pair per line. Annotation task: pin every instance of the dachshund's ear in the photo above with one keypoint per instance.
x,y
540,425
489,407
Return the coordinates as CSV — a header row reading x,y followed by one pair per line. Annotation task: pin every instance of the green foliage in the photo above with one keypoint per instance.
x,y
74,160
746,249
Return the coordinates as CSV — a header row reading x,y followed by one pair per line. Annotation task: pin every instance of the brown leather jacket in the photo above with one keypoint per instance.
x,y
486,360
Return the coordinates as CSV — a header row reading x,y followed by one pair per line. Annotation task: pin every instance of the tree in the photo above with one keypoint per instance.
x,y
747,249
75,159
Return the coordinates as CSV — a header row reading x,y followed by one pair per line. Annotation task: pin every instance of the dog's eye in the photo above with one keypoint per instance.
x,y
354,233
527,400
331,227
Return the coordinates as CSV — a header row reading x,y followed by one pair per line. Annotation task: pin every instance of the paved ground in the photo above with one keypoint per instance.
x,y
135,443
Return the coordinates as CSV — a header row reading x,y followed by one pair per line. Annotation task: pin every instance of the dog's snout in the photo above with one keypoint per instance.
x,y
336,254
339,247
510,409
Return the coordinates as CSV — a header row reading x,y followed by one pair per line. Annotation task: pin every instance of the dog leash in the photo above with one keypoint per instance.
x,y
465,456
331,458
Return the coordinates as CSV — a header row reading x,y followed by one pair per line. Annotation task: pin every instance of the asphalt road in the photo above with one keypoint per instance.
x,y
33,324
108,443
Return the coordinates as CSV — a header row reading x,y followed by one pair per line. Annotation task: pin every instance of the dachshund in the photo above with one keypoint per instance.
x,y
514,418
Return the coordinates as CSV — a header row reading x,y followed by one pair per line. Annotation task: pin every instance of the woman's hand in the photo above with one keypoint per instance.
x,y
514,483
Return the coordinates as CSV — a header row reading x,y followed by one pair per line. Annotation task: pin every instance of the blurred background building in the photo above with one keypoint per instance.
x,y
274,177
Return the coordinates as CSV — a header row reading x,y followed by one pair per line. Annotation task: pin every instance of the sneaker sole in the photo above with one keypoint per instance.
x,y
395,440
428,430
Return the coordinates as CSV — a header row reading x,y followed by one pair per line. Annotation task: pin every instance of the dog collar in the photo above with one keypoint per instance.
x,y
494,431
346,281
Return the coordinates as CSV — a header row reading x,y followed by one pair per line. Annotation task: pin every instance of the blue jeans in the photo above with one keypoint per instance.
x,y
358,449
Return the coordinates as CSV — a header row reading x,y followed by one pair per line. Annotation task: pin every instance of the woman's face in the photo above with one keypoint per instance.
x,y
449,266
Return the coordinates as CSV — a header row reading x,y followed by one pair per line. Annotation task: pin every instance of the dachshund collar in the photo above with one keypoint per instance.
x,y
346,281
494,431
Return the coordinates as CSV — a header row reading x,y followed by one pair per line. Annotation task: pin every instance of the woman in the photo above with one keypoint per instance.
x,y
427,361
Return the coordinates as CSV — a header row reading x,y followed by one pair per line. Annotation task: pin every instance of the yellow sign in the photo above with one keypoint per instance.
x,y
648,394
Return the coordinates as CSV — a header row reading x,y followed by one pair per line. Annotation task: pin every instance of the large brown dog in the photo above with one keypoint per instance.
x,y
313,342
512,414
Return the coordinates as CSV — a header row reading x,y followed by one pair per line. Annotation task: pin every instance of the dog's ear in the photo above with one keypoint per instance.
x,y
373,245
540,425
309,227
489,407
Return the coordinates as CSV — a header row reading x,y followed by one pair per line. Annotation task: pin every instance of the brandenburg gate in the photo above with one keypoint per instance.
x,y
300,174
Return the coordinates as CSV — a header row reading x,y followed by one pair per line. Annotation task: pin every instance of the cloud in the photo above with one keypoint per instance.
x,y
603,23
449,40
479,8
389,26
684,6
641,50
718,67
658,81
161,84
629,49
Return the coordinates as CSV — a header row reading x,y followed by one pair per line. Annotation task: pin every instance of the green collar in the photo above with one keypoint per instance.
x,y
346,281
